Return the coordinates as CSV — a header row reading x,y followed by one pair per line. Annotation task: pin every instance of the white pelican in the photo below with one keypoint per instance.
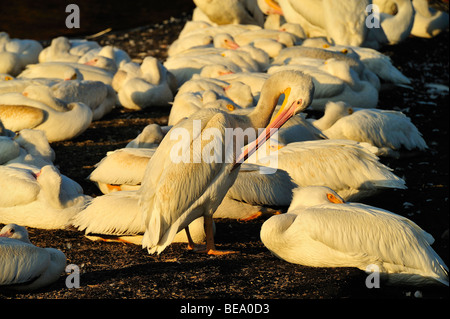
x,y
100,97
202,40
254,192
248,37
320,229
62,49
152,87
237,93
183,67
188,103
150,136
428,22
292,16
388,130
122,169
336,76
26,50
343,23
41,199
203,27
255,185
14,85
117,217
351,168
197,184
24,266
117,55
60,70
18,112
9,63
393,27
34,149
298,129
9,149
375,61
232,12
43,94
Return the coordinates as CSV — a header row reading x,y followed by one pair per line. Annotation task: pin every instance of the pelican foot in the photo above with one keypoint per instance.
x,y
251,217
216,252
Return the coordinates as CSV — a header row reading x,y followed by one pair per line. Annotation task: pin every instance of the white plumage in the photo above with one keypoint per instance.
x,y
349,167
122,169
118,216
40,199
390,131
321,230
24,266
18,112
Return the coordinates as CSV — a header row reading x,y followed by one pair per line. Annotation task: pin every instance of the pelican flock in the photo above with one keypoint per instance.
x,y
274,115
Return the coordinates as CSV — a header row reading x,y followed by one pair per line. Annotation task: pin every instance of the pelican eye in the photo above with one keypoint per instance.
x,y
299,102
230,107
350,111
345,51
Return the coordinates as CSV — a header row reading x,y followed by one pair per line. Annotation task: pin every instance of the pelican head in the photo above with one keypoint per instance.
x,y
15,232
312,196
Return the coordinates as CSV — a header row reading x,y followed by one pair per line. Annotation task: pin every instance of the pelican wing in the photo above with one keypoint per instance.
x,y
17,186
122,166
116,213
21,262
19,117
256,186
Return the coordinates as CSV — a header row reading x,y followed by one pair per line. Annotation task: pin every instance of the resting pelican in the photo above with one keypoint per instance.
x,y
388,130
256,188
41,199
121,169
34,149
351,168
18,112
179,187
118,216
24,266
428,22
321,230
232,12
150,137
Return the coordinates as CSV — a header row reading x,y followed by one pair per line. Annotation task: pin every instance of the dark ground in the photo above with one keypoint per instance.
x,y
120,271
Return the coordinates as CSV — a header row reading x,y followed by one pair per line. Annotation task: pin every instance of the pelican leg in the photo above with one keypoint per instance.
x,y
210,246
191,244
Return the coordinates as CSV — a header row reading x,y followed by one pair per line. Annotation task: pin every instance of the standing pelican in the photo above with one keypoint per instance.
x,y
176,189
321,230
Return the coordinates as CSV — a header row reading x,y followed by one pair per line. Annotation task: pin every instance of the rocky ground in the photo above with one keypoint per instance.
x,y
122,271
